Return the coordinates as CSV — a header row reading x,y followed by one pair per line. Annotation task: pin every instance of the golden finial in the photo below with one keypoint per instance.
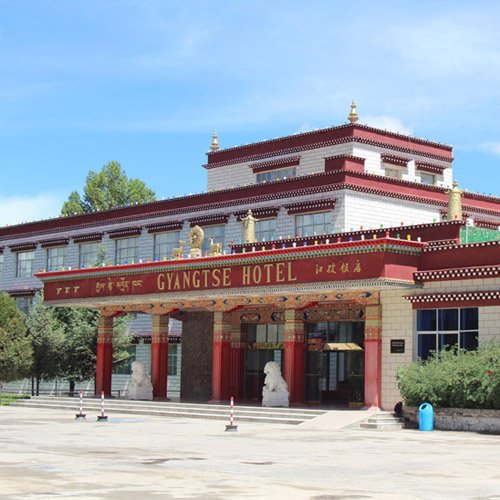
x,y
353,115
215,142
455,202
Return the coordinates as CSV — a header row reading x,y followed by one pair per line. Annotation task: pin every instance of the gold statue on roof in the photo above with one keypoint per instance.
x,y
353,115
196,238
454,202
249,228
215,142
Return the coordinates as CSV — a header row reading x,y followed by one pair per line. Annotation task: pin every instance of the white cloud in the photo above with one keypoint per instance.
x,y
387,123
18,209
491,147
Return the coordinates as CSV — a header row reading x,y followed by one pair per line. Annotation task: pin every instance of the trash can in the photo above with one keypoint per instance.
x,y
426,417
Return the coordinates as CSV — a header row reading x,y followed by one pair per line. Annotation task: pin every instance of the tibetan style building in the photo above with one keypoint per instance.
x,y
358,256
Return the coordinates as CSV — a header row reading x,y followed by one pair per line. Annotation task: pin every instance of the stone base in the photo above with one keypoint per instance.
x,y
195,253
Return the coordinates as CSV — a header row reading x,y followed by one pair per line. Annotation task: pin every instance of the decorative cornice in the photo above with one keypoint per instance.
x,y
26,292
462,247
395,160
125,232
161,227
320,205
57,242
432,300
487,224
23,247
458,274
265,166
209,220
88,238
259,213
430,167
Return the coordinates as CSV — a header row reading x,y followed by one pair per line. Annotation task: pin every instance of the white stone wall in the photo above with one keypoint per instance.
x,y
369,211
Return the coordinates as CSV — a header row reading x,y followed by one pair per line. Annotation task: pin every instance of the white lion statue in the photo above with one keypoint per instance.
x,y
140,385
275,390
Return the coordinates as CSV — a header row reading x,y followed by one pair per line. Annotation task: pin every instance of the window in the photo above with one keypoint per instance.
x,y
88,254
24,304
264,333
127,250
55,258
428,178
24,266
395,173
311,224
165,243
215,232
275,175
439,329
265,230
172,359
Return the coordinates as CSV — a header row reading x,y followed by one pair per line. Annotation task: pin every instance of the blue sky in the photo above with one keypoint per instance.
x,y
146,82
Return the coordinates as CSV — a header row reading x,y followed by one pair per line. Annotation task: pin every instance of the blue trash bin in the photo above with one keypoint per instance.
x,y
426,417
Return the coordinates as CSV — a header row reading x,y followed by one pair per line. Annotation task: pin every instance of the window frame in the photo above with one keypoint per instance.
x,y
118,251
170,245
205,249
21,264
277,174
314,227
54,255
91,261
271,231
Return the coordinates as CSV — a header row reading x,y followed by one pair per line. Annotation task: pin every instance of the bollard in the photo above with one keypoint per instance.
x,y
231,426
102,417
80,414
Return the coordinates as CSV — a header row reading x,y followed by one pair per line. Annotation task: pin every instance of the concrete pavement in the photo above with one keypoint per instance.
x,y
48,454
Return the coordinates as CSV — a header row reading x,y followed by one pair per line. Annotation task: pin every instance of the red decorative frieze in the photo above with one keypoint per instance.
x,y
125,232
487,224
433,168
311,206
458,274
88,238
395,160
57,242
161,227
265,166
209,220
458,299
22,247
344,162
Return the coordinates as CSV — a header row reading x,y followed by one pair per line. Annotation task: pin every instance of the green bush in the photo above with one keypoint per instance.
x,y
451,379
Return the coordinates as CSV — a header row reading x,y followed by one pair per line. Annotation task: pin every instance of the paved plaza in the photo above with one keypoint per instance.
x,y
48,454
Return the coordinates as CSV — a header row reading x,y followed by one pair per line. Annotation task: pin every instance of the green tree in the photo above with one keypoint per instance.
x,y
15,346
107,189
47,339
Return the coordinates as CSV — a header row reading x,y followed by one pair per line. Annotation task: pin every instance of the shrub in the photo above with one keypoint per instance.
x,y
451,379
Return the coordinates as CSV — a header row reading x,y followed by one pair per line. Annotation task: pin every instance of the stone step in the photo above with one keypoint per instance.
x,y
217,412
382,425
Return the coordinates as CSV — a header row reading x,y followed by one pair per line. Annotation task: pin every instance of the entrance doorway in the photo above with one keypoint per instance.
x,y
264,342
335,362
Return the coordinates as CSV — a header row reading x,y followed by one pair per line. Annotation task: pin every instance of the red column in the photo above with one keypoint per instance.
x,y
294,355
221,360
159,356
373,355
236,361
104,356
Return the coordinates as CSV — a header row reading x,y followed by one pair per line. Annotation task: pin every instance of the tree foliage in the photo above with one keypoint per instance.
x,y
47,340
15,346
108,188
467,379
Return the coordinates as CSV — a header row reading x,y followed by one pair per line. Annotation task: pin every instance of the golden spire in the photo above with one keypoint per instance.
x,y
454,202
353,115
215,142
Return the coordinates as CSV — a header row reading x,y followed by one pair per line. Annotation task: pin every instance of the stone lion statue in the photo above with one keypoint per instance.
x,y
275,390
140,386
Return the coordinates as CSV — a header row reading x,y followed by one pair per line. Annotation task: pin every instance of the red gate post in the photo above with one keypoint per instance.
x,y
221,359
294,355
159,356
104,355
373,355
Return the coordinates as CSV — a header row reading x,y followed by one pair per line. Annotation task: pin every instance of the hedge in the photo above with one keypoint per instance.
x,y
454,379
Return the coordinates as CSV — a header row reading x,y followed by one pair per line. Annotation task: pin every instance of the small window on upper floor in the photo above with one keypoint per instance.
x,y
24,264
428,178
55,258
217,233
165,243
394,172
276,175
88,254
265,230
311,224
127,250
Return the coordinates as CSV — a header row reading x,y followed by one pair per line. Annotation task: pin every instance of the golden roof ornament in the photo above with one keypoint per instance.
x,y
454,202
249,228
215,142
196,238
353,115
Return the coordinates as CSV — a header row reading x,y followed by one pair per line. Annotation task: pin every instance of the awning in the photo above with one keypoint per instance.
x,y
342,346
